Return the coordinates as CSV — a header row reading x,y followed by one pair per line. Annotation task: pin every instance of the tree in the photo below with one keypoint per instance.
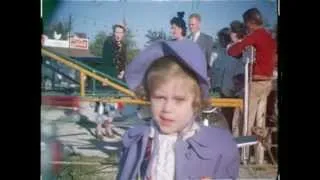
x,y
156,35
59,27
131,44
132,49
131,53
96,46
49,7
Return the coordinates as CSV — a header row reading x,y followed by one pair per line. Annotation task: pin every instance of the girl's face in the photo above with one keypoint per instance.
x,y
171,105
176,31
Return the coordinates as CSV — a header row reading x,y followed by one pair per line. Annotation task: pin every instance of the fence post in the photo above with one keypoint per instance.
x,y
82,84
93,85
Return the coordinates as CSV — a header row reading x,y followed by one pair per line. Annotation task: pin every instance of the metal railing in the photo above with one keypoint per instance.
x,y
87,71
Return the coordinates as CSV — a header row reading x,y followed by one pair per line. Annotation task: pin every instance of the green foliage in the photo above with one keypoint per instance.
x,y
49,7
131,53
131,44
59,27
96,46
88,172
156,35
132,49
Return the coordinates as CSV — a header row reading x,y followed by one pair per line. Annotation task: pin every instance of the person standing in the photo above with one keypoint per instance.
x,y
262,68
225,68
203,40
114,56
173,145
114,53
178,27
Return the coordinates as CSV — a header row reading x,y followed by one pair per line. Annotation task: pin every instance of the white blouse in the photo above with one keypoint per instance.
x,y
163,159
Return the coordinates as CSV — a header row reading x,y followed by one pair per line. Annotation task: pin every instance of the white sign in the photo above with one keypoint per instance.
x,y
56,43
75,43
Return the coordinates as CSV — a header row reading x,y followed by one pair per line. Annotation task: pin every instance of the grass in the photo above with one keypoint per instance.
x,y
101,169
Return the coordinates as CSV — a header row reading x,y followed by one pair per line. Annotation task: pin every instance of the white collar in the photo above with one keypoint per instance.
x,y
185,134
196,36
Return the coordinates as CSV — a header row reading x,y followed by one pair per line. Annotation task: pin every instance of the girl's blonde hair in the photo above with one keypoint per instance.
x,y
165,68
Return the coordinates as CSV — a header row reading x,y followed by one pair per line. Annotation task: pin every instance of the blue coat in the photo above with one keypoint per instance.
x,y
211,152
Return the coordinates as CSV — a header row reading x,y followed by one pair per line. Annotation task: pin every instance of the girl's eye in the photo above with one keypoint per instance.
x,y
180,99
158,97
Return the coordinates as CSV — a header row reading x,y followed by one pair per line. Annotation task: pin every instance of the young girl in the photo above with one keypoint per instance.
x,y
173,77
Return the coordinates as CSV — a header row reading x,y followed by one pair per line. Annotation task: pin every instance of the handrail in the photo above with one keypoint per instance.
x,y
60,72
87,72
88,67
217,102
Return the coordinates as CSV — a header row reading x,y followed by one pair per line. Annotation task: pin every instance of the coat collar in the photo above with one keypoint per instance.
x,y
199,142
135,134
202,144
201,138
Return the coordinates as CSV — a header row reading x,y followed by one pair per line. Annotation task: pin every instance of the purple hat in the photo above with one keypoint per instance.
x,y
186,51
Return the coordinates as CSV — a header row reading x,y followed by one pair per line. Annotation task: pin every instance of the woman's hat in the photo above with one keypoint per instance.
x,y
186,51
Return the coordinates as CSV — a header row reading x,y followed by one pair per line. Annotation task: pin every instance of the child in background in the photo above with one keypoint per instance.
x,y
172,75
106,113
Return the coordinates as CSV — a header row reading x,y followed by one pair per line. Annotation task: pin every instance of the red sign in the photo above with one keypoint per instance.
x,y
79,43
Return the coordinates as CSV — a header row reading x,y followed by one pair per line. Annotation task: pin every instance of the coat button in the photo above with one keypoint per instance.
x,y
188,155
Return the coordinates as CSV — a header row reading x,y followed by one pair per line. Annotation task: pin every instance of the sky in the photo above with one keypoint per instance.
x,y
92,16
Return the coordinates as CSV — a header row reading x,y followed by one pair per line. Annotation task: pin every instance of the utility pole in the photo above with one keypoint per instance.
x,y
69,29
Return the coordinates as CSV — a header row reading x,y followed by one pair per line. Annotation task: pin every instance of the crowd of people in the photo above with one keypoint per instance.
x,y
225,60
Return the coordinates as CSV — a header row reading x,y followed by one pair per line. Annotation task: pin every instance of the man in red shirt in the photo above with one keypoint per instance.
x,y
262,68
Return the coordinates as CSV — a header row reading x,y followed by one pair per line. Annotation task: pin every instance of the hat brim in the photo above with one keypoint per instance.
x,y
187,53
